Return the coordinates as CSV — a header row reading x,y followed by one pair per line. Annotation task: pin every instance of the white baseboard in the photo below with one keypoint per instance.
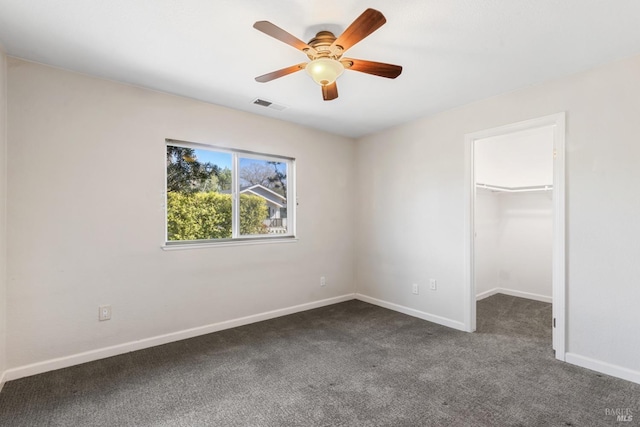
x,y
487,294
513,293
603,367
2,381
412,312
101,353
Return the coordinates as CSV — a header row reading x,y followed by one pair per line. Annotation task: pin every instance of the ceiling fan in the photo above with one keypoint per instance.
x,y
325,52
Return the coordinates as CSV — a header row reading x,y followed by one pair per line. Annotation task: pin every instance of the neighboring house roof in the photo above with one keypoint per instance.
x,y
265,193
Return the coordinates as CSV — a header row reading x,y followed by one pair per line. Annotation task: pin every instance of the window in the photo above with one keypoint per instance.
x,y
219,194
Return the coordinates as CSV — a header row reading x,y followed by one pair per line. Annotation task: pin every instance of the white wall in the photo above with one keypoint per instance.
x,y
411,202
520,159
86,224
487,225
3,217
514,235
525,243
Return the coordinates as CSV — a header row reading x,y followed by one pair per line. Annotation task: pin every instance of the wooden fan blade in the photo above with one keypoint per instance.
x,y
280,73
381,69
365,24
278,33
330,92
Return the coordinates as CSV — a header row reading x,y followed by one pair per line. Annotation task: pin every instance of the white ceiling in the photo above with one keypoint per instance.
x,y
453,51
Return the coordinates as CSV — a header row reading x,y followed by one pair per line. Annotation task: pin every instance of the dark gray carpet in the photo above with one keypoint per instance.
x,y
350,364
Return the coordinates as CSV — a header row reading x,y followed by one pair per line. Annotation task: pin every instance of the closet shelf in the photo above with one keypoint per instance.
x,y
514,189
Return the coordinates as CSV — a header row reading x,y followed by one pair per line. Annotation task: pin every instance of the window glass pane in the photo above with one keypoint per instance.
x,y
198,194
263,196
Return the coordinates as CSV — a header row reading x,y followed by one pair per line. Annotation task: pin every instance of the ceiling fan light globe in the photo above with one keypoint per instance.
x,y
324,71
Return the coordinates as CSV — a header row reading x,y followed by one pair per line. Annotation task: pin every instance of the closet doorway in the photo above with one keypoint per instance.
x,y
515,217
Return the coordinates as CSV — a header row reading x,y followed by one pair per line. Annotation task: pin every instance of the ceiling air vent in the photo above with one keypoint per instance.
x,y
268,104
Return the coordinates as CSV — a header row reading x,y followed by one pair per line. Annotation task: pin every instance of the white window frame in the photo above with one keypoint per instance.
x,y
236,238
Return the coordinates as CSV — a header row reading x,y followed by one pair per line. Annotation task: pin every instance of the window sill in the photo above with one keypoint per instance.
x,y
238,242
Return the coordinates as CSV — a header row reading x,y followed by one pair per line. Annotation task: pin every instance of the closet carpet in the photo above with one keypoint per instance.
x,y
349,364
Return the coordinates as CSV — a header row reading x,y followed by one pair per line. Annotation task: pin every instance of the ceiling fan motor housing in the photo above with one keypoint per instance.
x,y
322,43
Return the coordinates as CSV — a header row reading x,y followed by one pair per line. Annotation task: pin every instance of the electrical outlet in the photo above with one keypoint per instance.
x,y
433,284
104,312
323,281
415,289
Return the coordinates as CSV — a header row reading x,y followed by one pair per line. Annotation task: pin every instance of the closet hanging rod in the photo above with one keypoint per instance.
x,y
514,189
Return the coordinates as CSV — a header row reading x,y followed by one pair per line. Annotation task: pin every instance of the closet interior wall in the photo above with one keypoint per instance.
x,y
514,215
514,243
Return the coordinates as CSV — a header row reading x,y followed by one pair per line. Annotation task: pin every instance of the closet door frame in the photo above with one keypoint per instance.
x,y
559,255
